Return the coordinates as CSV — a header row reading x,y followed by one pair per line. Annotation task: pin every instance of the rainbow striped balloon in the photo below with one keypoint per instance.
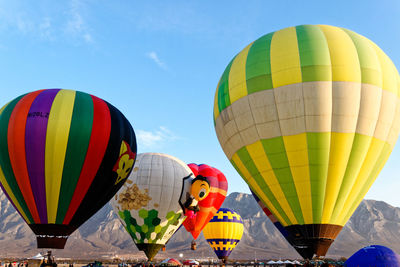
x,y
224,232
63,155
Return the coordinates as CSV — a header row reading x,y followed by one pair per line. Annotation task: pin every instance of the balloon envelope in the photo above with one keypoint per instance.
x,y
308,116
63,155
148,203
208,206
375,255
224,232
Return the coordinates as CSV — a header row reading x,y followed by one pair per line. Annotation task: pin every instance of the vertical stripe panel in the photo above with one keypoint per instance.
x,y
275,150
223,88
266,195
237,76
216,109
315,60
56,145
79,137
267,176
371,72
375,149
340,149
258,65
384,155
318,156
359,151
389,71
16,151
285,60
5,163
6,188
296,151
99,139
35,140
344,57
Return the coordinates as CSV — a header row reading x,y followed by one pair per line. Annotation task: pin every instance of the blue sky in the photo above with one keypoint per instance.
x,y
159,62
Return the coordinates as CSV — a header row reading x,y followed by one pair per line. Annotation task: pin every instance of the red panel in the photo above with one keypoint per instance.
x,y
16,150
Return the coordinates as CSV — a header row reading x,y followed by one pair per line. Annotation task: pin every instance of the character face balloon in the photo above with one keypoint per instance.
x,y
63,155
208,191
308,116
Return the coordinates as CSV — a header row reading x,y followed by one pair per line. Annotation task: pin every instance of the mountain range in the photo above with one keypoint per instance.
x,y
102,236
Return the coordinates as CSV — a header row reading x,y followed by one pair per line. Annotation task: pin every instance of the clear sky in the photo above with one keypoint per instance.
x,y
159,62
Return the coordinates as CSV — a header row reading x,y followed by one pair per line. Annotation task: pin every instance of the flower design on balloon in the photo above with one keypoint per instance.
x,y
124,164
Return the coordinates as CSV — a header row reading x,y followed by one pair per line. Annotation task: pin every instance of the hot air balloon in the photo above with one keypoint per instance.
x,y
207,193
374,255
308,116
224,232
63,155
148,203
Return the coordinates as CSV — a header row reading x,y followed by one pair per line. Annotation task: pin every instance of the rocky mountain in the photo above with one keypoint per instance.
x,y
374,222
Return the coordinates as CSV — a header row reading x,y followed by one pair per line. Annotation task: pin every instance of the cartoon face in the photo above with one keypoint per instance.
x,y
124,164
200,188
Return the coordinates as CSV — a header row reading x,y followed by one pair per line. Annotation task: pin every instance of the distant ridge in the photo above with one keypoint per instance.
x,y
374,222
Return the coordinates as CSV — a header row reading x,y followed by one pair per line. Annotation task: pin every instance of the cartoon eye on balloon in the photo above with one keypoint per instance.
x,y
308,116
63,155
200,188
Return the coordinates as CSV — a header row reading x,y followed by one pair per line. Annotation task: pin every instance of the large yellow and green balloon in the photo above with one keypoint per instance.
x,y
308,116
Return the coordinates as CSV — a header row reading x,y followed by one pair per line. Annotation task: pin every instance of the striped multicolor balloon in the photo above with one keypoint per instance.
x,y
308,116
209,205
224,232
63,155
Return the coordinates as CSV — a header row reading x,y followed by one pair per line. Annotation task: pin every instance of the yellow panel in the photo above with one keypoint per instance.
x,y
389,71
297,153
56,145
373,153
341,144
285,59
237,76
216,109
344,56
257,153
368,184
10,193
256,189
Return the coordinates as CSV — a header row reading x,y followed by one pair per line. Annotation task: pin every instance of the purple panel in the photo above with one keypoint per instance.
x,y
35,142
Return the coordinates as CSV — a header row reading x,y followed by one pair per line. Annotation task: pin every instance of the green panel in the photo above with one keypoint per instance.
x,y
318,158
314,54
258,65
244,156
380,162
275,150
5,158
78,142
141,234
223,89
370,70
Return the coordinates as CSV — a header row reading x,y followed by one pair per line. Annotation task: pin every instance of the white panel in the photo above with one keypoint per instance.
x,y
318,106
386,115
290,105
346,105
370,106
